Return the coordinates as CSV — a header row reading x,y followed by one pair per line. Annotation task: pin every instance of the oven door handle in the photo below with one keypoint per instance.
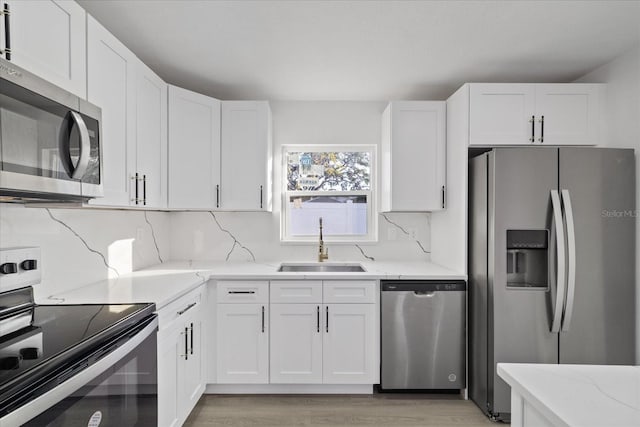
x,y
47,400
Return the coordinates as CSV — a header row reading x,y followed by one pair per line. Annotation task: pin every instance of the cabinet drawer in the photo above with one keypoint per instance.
x,y
243,291
181,307
349,291
296,291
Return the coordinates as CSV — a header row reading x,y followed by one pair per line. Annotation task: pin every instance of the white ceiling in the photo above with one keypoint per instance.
x,y
367,50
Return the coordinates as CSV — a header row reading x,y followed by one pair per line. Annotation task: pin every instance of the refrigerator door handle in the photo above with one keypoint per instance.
x,y
560,255
571,267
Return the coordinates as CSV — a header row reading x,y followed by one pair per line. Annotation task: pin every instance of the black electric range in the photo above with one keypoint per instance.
x,y
41,346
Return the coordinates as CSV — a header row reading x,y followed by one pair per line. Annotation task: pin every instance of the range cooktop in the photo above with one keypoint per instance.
x,y
38,341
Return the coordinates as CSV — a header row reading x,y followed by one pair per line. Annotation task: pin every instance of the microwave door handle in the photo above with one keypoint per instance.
x,y
85,146
560,255
571,249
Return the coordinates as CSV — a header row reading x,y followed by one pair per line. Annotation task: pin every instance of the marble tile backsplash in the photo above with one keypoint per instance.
x,y
81,246
250,236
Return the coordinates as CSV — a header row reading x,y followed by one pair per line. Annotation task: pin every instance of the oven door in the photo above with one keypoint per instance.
x,y
118,390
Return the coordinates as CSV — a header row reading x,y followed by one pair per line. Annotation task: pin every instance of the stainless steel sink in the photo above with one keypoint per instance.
x,y
322,268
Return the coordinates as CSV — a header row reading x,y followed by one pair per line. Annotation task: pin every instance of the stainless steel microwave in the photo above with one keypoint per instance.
x,y
49,141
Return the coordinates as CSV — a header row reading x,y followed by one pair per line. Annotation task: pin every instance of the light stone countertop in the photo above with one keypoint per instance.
x,y
578,395
165,282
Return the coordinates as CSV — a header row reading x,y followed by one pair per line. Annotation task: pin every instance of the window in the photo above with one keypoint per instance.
x,y
334,183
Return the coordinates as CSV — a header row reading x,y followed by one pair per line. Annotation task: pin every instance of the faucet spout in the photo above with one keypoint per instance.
x,y
323,253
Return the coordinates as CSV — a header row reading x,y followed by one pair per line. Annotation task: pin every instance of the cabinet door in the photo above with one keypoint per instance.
x,y
242,344
501,114
194,150
149,159
111,82
170,364
48,38
193,379
570,112
349,346
246,155
296,344
413,155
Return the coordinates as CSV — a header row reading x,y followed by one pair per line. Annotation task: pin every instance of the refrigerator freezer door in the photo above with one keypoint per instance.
x,y
601,184
520,183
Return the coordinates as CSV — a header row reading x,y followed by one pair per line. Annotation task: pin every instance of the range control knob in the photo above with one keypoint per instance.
x,y
9,268
29,264
9,363
30,353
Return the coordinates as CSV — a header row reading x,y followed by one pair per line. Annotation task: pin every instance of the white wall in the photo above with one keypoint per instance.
x,y
72,250
622,129
196,235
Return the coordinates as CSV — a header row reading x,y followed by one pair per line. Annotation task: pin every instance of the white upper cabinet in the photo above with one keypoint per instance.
x,y
111,86
413,156
194,150
133,100
246,156
48,38
567,114
501,114
534,114
149,159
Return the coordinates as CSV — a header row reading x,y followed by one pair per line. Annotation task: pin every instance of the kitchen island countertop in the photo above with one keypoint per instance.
x,y
573,395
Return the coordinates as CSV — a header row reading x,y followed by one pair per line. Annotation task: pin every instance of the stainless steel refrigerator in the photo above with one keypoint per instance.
x,y
551,262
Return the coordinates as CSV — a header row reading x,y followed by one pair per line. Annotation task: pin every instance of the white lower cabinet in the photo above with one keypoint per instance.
x,y
169,347
297,332
180,359
296,344
242,343
349,345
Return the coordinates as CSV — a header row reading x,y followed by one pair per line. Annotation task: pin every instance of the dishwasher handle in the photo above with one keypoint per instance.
x,y
423,287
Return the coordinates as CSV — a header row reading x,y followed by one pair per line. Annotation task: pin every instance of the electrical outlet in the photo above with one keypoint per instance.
x,y
140,234
412,232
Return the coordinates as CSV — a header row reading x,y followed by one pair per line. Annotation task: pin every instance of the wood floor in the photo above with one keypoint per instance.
x,y
369,410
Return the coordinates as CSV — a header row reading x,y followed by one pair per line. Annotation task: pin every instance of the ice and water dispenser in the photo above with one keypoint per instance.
x,y
527,258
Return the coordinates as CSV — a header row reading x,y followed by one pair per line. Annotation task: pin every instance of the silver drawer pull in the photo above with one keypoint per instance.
x,y
187,308
242,292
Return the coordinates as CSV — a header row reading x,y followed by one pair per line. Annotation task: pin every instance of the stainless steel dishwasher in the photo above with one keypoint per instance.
x,y
423,335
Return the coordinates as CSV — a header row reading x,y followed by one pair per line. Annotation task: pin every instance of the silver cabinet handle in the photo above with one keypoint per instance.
x,y
241,292
261,197
144,190
318,318
571,250
186,343
541,121
560,255
263,319
74,171
217,195
7,33
187,308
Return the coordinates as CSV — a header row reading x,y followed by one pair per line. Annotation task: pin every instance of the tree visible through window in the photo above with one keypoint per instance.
x,y
332,182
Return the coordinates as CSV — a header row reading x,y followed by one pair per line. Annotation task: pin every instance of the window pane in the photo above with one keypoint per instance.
x,y
328,171
341,215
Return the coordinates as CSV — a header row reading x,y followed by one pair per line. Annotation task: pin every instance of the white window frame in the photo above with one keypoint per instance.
x,y
372,226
